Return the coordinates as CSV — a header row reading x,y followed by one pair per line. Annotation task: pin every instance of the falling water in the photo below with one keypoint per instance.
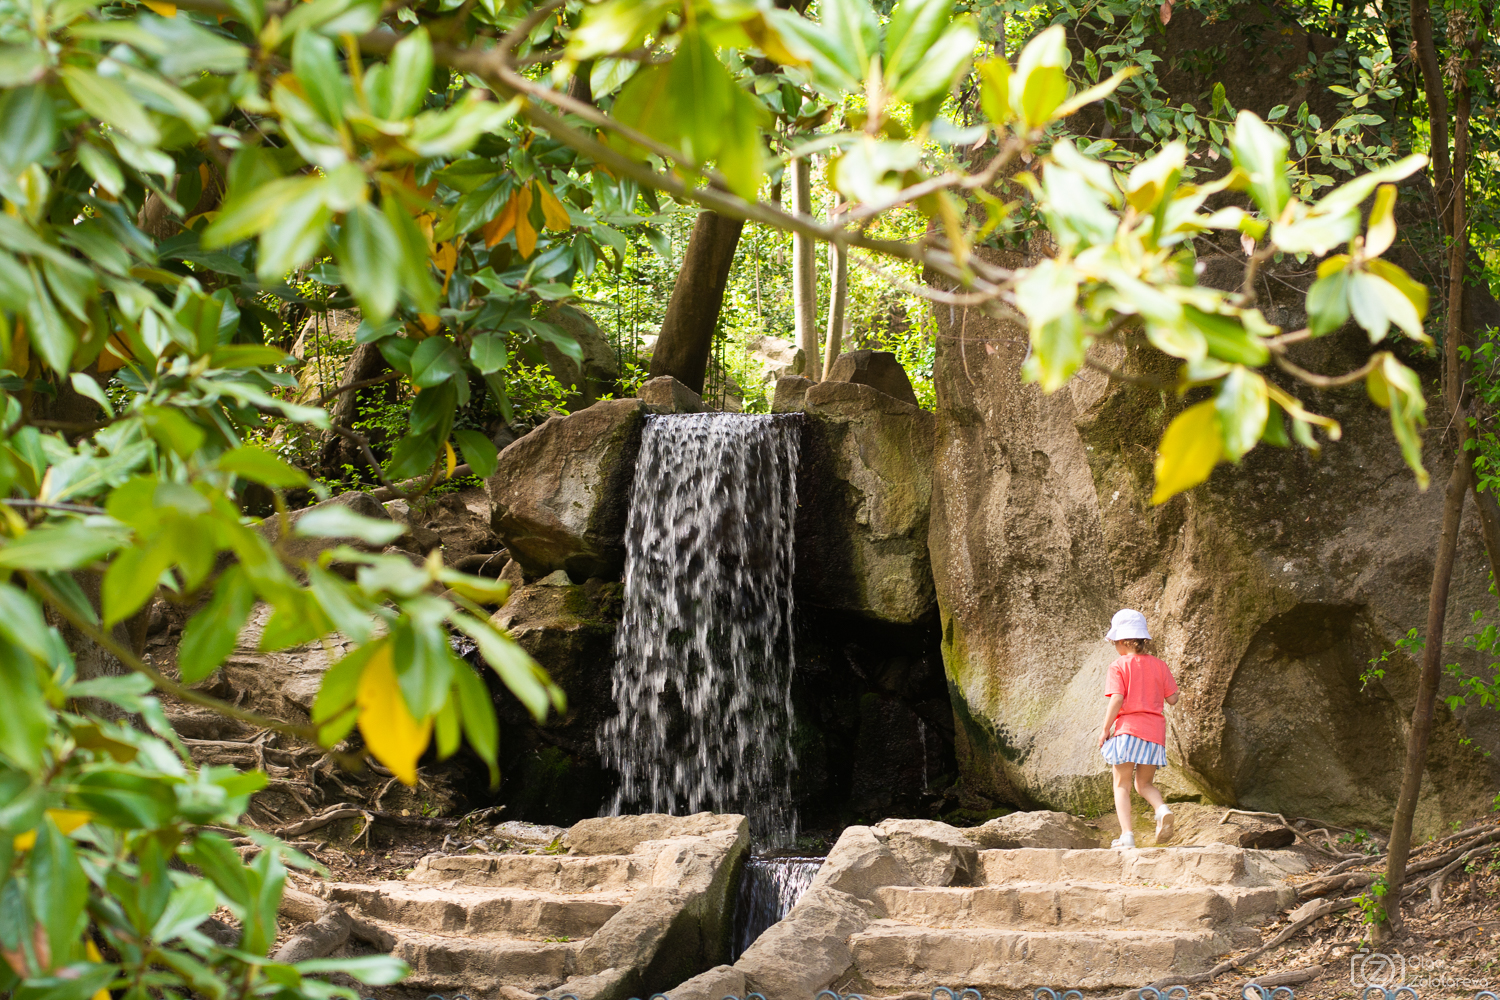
x,y
703,656
769,888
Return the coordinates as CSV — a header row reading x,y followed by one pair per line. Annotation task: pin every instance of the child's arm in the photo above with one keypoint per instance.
x,y
1171,699
1111,713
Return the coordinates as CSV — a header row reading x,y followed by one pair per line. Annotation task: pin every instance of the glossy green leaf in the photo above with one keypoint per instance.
x,y
1260,151
409,74
261,466
211,634
436,360
28,127
479,451
334,520
366,264
1243,406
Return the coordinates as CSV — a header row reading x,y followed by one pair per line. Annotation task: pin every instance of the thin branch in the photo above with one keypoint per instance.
x,y
355,387
71,508
1326,381
363,444
161,681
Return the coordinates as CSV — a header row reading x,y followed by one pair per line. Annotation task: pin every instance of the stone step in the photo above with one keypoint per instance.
x,y
481,911
1076,905
900,957
546,872
1216,864
443,964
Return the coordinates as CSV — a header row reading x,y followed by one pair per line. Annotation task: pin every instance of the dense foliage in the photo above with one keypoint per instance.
x,y
175,175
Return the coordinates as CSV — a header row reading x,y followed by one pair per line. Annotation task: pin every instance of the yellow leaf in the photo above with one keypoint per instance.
x,y
114,355
1188,452
553,210
164,9
92,951
424,223
1382,231
504,221
66,820
452,460
446,259
525,234
393,736
430,323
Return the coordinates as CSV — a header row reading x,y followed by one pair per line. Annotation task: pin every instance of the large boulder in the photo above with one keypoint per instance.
x,y
936,853
624,834
1269,589
599,375
865,492
561,493
1042,828
877,369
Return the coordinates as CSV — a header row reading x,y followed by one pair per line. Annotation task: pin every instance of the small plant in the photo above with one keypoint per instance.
x,y
1410,644
1372,904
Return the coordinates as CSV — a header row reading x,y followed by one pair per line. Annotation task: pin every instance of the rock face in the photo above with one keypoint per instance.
x,y
1269,589
877,369
550,771
600,372
865,489
560,493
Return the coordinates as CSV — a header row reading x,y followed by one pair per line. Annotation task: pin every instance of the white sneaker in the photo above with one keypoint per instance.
x,y
1164,821
1125,843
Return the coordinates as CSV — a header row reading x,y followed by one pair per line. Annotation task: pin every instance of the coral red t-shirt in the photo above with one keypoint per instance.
x,y
1146,683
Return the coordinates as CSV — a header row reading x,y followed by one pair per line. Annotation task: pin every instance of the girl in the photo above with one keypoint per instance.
x,y
1135,730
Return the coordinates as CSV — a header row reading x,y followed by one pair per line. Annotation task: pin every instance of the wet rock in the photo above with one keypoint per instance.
x,y
936,853
877,369
865,492
809,949
560,493
1268,589
622,834
664,394
1035,829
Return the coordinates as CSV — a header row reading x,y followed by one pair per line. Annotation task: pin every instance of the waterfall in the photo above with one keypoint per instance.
x,y
769,888
703,655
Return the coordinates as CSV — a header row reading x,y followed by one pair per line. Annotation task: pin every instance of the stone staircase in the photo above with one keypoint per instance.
x,y
1086,918
911,904
637,901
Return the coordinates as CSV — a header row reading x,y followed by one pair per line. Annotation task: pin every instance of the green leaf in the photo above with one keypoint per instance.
x,y
373,970
69,545
341,682
1328,298
1048,295
334,594
1227,338
28,127
409,74
191,903
1260,151
260,466
295,234
994,90
133,576
477,710
1397,388
334,520
488,353
479,451
1407,316
434,362
110,103
211,634
57,888
1189,450
1041,80
253,203
366,263
51,335
1243,406
316,64
517,670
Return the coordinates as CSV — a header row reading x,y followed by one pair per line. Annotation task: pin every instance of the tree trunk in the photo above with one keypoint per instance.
x,y
838,297
805,274
687,332
365,363
1427,685
1450,176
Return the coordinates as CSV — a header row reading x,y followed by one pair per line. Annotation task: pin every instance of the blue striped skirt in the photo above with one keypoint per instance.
x,y
1133,750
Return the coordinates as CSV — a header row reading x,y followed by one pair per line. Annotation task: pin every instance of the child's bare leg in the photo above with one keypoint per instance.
x,y
1122,797
1143,775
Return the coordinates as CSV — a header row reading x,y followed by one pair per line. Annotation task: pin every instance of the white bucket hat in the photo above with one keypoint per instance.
x,y
1128,624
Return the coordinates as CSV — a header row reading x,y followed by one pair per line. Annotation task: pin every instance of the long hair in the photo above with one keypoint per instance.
x,y
1142,647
